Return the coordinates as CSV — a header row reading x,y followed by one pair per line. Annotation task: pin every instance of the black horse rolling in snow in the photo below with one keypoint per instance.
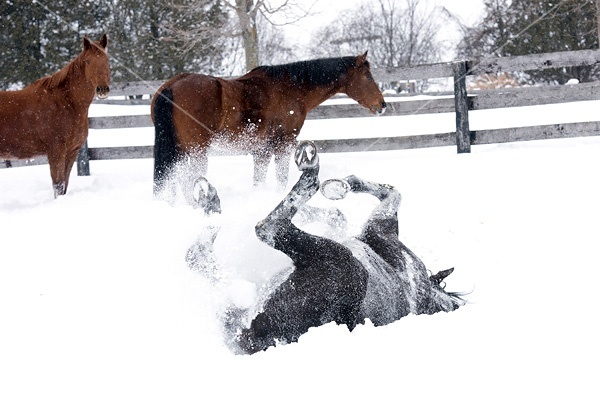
x,y
372,276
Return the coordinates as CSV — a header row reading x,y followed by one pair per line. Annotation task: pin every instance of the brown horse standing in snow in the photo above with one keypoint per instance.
x,y
260,112
50,116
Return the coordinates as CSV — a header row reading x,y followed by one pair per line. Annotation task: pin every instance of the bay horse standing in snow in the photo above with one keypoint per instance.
x,y
50,116
260,113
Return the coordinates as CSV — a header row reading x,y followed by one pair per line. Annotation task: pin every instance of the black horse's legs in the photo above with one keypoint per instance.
x,y
389,198
385,215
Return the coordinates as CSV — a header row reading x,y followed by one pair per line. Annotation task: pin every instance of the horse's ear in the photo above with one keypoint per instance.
x,y
86,43
360,60
104,41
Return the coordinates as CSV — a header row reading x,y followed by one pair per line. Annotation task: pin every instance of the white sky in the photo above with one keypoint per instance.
x,y
325,11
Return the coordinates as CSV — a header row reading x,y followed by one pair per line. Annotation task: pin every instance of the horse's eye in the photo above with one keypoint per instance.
x,y
87,61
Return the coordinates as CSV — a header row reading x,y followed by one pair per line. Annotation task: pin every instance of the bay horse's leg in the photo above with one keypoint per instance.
x,y
261,159
282,161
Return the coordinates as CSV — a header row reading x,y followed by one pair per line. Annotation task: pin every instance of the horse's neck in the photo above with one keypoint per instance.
x,y
80,90
69,83
318,95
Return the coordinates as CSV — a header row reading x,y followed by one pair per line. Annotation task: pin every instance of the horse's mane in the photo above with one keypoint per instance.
x,y
312,73
54,80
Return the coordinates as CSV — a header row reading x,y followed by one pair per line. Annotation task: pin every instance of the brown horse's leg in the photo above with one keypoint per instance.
x,y
262,158
69,161
57,161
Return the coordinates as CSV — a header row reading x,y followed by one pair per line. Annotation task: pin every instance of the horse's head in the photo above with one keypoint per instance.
x,y
361,86
96,66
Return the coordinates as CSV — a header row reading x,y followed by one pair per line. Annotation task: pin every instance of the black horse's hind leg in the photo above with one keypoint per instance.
x,y
381,234
384,218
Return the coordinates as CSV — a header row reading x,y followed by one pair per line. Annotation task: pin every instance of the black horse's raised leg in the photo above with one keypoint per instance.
x,y
327,284
307,160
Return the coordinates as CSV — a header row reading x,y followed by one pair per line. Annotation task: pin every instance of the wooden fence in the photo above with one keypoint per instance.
x,y
460,102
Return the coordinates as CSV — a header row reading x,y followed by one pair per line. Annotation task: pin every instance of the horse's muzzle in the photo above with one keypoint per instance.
x,y
102,91
381,109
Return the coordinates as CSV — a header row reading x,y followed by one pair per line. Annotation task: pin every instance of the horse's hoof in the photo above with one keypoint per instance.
x,y
59,189
335,189
205,196
306,155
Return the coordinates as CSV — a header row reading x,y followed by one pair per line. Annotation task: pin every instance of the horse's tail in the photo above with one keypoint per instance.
x,y
166,150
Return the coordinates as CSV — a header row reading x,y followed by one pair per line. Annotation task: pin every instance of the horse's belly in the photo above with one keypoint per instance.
x,y
387,297
29,132
18,140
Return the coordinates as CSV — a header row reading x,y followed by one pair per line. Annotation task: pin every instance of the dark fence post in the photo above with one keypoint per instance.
x,y
461,104
83,160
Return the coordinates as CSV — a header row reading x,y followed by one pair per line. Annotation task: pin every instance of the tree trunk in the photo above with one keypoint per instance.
x,y
247,16
598,21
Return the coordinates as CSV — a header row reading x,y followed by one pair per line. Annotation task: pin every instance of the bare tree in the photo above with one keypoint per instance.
x,y
396,33
249,18
272,48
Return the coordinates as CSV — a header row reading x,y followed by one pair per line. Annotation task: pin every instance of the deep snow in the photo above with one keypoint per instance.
x,y
96,301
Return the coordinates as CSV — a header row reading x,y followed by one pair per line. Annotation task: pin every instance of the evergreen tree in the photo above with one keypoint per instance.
x,y
520,27
21,50
40,37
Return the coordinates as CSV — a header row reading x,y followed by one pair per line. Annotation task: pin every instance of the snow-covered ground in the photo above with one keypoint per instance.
x,y
96,300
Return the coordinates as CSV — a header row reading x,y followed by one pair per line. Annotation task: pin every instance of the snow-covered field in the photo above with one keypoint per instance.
x,y
96,300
